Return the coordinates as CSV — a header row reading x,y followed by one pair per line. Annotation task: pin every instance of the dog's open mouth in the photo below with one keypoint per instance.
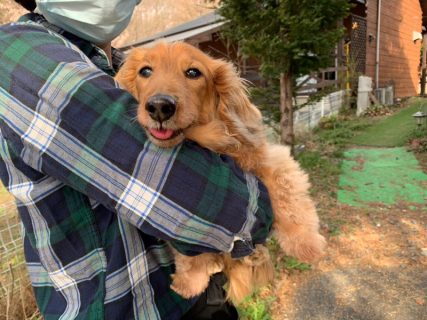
x,y
164,134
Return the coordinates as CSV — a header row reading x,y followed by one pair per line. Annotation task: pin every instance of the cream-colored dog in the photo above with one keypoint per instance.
x,y
185,94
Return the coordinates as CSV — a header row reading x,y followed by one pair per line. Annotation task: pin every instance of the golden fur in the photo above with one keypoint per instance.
x,y
214,111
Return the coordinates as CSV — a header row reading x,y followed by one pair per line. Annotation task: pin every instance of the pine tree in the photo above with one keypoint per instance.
x,y
289,37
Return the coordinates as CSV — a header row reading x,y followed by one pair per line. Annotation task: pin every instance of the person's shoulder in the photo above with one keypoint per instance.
x,y
23,26
29,32
26,42
32,39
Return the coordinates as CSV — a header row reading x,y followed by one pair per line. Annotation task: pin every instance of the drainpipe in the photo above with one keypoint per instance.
x,y
377,57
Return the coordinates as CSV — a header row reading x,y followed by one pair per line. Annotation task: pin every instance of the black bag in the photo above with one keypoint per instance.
x,y
212,304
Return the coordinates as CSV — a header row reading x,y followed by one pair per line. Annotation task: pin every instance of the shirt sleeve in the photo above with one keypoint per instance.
x,y
71,121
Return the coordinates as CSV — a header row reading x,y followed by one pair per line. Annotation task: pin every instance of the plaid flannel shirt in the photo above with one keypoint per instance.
x,y
97,200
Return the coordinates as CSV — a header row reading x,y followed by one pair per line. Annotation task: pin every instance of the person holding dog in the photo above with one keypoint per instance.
x,y
101,206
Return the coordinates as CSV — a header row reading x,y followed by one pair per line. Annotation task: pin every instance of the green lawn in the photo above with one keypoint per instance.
x,y
393,131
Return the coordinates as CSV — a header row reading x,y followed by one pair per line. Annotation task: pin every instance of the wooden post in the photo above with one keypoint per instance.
x,y
423,67
347,72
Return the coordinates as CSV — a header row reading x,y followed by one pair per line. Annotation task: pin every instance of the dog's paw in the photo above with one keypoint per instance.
x,y
189,286
217,265
305,246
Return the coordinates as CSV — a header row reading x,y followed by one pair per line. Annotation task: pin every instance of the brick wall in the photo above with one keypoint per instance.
x,y
399,55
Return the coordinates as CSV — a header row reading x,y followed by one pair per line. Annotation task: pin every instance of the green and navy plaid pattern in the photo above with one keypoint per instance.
x,y
100,204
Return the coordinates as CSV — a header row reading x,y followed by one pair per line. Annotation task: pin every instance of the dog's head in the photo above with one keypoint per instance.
x,y
178,86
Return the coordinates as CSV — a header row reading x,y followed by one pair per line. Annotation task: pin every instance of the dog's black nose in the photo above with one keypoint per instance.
x,y
161,107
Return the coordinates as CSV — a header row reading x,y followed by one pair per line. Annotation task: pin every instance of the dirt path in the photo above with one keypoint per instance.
x,y
375,267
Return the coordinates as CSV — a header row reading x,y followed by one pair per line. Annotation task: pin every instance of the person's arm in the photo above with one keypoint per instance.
x,y
70,121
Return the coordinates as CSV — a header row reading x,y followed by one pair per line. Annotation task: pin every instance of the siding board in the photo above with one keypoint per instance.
x,y
399,55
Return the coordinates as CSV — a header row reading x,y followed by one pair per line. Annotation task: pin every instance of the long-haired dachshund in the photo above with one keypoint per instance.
x,y
185,94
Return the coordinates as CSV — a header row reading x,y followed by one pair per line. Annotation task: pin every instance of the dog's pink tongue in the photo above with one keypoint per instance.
x,y
161,134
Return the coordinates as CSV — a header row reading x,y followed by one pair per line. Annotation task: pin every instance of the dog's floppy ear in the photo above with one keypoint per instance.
x,y
234,106
128,72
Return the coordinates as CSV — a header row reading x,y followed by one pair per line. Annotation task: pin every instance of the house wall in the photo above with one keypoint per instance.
x,y
399,55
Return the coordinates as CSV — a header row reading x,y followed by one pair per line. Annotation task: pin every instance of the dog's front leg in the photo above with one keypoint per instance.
x,y
296,222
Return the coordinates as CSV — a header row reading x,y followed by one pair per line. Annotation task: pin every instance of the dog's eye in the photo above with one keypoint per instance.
x,y
193,73
146,72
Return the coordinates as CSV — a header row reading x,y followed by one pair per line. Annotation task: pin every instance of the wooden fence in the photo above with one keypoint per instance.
x,y
334,77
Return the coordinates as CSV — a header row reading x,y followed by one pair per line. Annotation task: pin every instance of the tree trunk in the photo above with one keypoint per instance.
x,y
286,110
